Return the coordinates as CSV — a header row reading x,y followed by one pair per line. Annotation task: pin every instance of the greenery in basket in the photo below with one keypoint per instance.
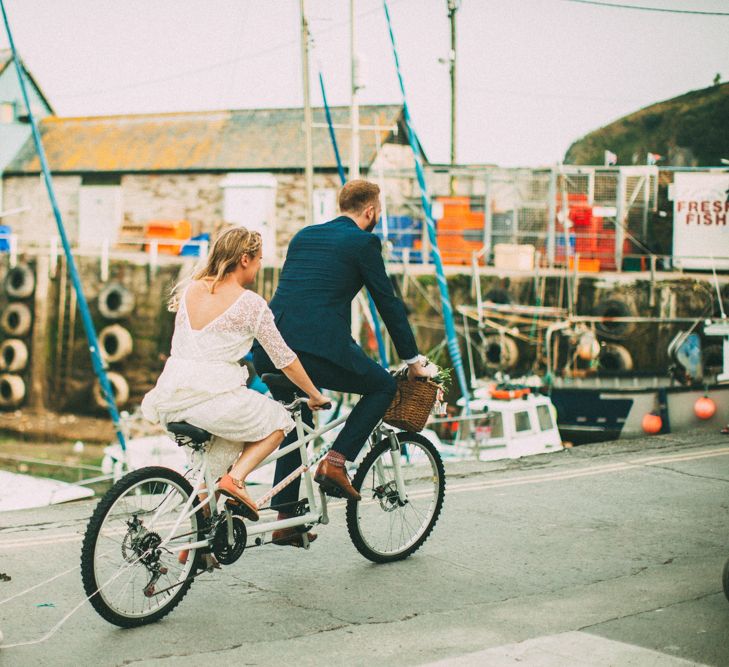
x,y
443,377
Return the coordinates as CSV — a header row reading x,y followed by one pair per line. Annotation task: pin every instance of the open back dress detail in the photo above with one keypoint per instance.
x,y
203,384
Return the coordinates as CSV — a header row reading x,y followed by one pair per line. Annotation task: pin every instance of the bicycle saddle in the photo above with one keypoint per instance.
x,y
280,381
185,430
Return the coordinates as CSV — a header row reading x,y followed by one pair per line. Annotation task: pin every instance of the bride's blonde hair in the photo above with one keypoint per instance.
x,y
227,251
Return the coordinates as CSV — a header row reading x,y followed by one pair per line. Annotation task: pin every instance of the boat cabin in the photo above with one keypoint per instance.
x,y
511,427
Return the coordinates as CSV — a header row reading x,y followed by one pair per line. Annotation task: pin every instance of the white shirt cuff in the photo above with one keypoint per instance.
x,y
414,360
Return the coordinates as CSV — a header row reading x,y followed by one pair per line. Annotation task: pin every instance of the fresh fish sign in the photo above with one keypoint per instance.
x,y
701,221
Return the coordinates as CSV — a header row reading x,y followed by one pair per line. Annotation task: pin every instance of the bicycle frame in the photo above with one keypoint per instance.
x,y
305,434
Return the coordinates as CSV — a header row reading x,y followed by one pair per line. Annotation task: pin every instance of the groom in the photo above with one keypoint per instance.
x,y
326,266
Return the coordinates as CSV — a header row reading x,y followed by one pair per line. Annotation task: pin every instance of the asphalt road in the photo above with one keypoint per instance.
x,y
601,555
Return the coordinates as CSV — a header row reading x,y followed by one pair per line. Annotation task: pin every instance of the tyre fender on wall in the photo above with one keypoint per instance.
x,y
115,343
16,320
500,351
614,306
615,359
20,282
498,295
115,302
13,355
119,386
12,390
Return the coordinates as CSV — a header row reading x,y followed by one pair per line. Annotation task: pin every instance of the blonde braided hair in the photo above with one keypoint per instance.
x,y
227,251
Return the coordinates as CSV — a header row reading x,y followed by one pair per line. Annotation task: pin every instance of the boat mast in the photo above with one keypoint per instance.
x,y
307,115
354,110
453,6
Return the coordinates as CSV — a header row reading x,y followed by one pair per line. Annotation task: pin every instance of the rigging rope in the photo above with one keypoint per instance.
x,y
450,329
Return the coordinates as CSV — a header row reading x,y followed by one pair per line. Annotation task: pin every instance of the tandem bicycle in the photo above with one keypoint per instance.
x,y
131,565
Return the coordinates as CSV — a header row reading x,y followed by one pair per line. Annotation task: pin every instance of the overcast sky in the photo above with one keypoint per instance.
x,y
534,75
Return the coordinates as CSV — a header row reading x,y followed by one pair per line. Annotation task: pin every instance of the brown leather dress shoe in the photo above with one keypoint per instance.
x,y
335,481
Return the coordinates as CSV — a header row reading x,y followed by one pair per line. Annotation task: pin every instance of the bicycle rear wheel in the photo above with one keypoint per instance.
x,y
130,559
384,527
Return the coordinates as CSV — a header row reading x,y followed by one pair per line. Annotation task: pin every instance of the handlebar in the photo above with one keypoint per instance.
x,y
302,401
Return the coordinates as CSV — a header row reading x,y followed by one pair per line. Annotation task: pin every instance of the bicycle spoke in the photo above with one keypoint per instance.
x,y
386,525
137,531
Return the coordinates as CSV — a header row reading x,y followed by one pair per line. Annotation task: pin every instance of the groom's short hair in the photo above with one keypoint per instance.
x,y
356,195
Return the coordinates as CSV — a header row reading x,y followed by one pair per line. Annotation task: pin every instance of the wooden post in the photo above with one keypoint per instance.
x,y
39,342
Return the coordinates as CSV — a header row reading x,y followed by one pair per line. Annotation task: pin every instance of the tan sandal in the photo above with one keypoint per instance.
x,y
236,489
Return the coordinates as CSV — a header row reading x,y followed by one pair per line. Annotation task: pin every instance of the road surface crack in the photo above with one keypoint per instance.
x,y
648,611
688,474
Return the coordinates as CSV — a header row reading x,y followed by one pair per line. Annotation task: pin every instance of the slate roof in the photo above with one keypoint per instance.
x,y
244,140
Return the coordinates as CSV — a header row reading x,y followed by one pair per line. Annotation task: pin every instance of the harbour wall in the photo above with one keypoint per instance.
x,y
58,376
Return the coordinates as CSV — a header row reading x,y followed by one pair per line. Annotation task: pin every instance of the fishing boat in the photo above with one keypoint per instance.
x,y
596,392
505,423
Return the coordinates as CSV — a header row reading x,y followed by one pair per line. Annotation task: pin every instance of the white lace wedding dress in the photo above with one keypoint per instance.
x,y
203,384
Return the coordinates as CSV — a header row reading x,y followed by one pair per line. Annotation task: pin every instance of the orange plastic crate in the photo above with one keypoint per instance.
x,y
585,264
454,206
160,230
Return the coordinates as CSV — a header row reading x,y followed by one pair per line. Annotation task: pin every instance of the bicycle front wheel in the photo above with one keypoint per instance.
x,y
384,526
130,559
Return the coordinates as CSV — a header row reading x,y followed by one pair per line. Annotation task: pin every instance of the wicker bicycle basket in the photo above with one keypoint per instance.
x,y
411,406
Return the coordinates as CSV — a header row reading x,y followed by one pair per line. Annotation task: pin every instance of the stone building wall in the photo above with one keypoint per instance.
x,y
37,224
197,198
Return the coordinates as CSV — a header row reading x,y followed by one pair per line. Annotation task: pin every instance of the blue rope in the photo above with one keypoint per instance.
x,y
96,360
333,137
450,329
382,349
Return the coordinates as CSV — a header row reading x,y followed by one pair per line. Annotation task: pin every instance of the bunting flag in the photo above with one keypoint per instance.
x,y
610,158
652,158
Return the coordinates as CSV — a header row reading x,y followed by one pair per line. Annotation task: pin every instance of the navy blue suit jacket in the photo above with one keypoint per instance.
x,y
326,266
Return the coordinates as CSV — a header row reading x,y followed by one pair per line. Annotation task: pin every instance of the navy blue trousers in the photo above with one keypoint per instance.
x,y
374,384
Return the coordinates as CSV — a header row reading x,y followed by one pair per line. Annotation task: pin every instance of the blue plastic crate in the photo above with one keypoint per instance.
x,y
5,232
193,249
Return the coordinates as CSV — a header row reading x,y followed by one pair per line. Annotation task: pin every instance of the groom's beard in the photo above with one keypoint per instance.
x,y
372,225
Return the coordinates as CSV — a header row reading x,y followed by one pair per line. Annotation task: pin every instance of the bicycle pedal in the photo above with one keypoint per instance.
x,y
330,489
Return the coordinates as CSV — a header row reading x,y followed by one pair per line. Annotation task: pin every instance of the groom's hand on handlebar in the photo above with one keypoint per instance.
x,y
422,368
319,402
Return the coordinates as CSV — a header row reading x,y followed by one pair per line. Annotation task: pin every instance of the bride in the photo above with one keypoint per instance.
x,y
203,384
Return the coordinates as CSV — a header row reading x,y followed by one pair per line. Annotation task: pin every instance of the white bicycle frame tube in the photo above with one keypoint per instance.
x,y
305,434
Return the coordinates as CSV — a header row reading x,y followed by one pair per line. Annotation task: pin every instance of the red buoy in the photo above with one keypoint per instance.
x,y
704,408
652,423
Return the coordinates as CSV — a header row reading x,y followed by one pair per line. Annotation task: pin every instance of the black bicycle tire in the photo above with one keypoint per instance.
x,y
353,527
93,527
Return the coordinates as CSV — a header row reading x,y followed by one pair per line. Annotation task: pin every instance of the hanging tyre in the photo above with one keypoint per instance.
x,y
115,302
500,352
115,343
13,355
615,359
20,282
614,306
16,320
12,390
119,387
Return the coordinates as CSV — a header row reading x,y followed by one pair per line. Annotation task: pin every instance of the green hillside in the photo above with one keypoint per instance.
x,y
689,130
